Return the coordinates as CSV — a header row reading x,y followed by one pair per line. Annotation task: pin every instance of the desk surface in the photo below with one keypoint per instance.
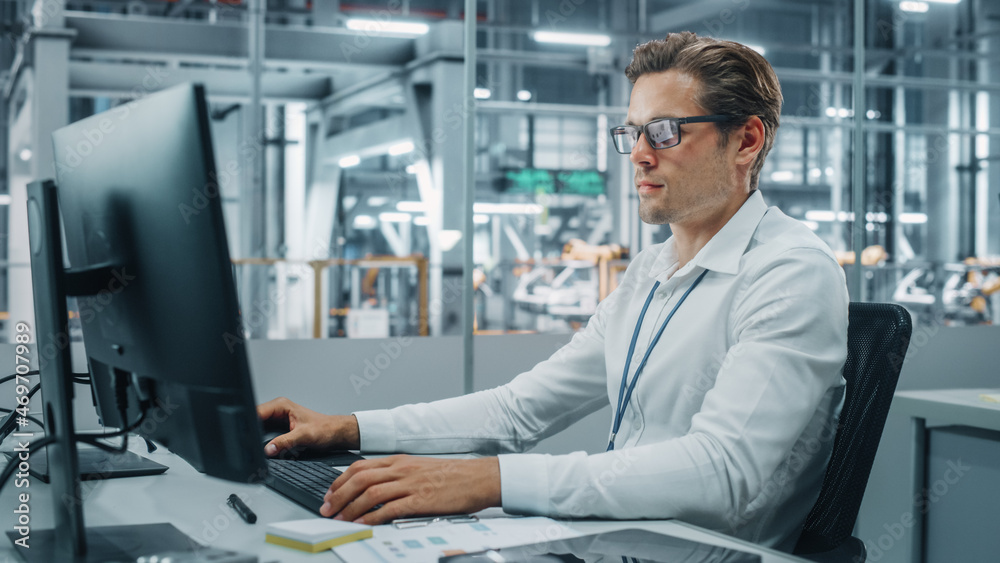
x,y
950,406
196,505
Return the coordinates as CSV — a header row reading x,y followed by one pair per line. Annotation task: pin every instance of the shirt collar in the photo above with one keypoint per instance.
x,y
724,251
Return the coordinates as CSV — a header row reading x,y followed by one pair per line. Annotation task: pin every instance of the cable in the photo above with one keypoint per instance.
x,y
7,378
14,461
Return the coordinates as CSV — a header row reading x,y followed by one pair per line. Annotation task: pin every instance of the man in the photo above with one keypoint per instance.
x,y
730,423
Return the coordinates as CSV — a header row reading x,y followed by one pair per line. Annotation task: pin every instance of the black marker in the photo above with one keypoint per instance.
x,y
242,509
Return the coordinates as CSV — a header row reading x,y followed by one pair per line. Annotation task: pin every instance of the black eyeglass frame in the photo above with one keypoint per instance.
x,y
625,129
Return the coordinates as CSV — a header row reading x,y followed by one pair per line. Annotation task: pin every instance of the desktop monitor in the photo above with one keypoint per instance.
x,y
149,263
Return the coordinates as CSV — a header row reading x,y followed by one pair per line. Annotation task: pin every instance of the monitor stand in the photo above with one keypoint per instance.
x,y
96,464
109,543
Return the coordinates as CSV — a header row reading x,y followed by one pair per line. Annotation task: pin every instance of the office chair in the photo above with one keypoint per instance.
x,y
877,338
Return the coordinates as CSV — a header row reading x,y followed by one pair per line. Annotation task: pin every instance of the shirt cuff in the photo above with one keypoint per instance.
x,y
378,432
524,483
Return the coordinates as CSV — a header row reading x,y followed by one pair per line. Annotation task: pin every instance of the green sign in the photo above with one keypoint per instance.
x,y
581,182
529,181
536,181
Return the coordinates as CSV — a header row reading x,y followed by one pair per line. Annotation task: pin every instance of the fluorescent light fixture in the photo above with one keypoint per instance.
x,y
822,216
508,208
913,218
350,201
815,173
482,93
349,161
829,171
364,222
421,221
831,112
377,201
914,7
588,39
944,1
25,154
480,219
782,176
401,148
411,206
5,199
394,217
449,238
873,217
524,95
757,48
844,112
404,27
411,169
873,114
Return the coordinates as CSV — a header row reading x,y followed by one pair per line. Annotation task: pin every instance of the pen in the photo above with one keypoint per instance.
x,y
242,509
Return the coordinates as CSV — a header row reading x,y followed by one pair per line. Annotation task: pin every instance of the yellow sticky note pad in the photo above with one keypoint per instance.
x,y
315,534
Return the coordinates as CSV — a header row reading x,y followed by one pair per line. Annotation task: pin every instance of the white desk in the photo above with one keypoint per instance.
x,y
941,407
196,505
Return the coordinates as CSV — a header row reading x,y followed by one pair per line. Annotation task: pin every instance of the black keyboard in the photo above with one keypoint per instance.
x,y
305,482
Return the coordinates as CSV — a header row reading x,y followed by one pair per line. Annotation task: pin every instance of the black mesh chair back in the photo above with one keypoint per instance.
x,y
877,337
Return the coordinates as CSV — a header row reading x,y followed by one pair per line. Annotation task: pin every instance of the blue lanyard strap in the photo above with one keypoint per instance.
x,y
623,396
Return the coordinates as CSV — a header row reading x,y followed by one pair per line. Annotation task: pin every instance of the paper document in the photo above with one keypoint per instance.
x,y
428,543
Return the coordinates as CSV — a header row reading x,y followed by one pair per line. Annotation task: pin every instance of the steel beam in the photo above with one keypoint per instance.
x,y
116,80
111,36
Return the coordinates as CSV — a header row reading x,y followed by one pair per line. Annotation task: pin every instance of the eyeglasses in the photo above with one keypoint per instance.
x,y
660,133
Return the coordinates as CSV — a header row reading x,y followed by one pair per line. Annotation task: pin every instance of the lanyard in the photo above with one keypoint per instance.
x,y
623,397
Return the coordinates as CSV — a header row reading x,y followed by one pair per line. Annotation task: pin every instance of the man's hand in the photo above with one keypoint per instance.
x,y
308,428
407,486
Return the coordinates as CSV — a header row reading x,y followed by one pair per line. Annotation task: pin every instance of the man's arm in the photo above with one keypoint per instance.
x,y
776,392
307,428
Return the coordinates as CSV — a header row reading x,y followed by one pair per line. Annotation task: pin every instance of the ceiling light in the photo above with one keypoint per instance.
x,y
782,176
944,1
401,148
364,222
480,219
349,161
25,154
524,95
913,218
412,206
377,201
818,215
914,7
421,221
588,39
831,112
5,199
408,28
411,169
393,217
482,93
508,208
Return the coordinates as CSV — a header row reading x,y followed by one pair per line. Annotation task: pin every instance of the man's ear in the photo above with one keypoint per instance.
x,y
751,140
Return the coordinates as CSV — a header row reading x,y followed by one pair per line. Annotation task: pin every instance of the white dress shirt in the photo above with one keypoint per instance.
x,y
732,421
